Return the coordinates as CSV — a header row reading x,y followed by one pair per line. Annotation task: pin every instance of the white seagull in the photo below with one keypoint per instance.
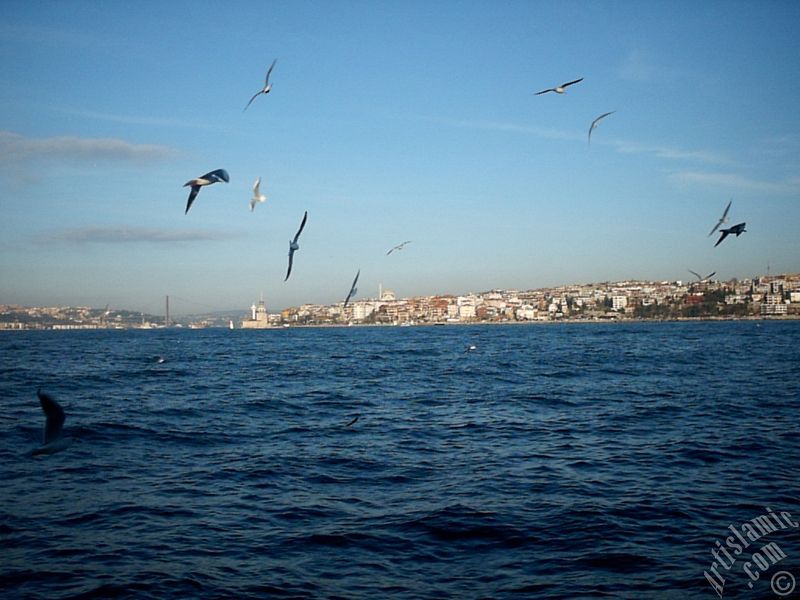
x,y
267,86
353,290
52,441
294,246
559,89
207,179
257,195
398,247
596,121
722,219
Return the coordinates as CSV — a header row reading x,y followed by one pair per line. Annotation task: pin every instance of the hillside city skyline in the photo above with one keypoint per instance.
x,y
765,295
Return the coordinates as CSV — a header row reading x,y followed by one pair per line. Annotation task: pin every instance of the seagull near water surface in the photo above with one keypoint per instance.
x,y
207,179
257,195
294,246
596,121
559,89
353,290
53,440
267,86
398,247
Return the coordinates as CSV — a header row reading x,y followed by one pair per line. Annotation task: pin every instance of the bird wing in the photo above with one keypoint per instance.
x,y
257,188
192,196
563,85
289,270
725,214
54,417
266,80
251,99
696,274
544,92
352,289
725,233
710,274
302,224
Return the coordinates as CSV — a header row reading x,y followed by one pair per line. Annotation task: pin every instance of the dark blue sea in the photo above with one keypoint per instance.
x,y
552,461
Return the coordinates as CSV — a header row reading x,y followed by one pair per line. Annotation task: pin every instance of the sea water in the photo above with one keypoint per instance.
x,y
552,461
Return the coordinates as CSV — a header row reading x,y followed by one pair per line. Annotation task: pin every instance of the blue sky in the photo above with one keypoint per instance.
x,y
390,121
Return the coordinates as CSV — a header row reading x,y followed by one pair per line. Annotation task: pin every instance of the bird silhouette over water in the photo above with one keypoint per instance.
x,y
266,89
294,246
559,89
737,230
53,439
207,179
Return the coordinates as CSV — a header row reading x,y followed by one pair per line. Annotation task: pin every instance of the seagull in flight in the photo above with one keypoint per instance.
x,y
267,86
596,121
294,246
207,179
353,290
52,441
398,247
722,219
737,230
696,274
257,195
559,89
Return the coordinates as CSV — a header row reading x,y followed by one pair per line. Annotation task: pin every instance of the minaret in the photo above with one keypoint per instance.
x,y
166,320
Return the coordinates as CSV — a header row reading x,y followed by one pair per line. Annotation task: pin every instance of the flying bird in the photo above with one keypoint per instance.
x,y
294,246
696,274
398,247
257,195
722,219
737,230
353,290
207,179
52,441
559,89
596,121
267,86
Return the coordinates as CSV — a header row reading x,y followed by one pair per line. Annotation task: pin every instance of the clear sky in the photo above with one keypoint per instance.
x,y
390,121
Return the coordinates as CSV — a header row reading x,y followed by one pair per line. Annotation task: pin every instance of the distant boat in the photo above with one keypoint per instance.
x,y
230,324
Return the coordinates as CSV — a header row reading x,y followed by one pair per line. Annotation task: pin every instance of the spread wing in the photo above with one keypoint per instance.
x,y
544,92
302,224
289,270
696,274
251,99
192,196
563,85
725,233
266,80
353,289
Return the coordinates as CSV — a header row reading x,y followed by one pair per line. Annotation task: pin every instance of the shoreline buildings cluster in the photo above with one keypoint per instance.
x,y
759,297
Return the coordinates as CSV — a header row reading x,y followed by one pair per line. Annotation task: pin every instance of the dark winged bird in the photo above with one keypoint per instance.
x,y
294,246
559,89
52,440
267,86
722,219
207,179
353,289
596,121
696,274
737,230
398,247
